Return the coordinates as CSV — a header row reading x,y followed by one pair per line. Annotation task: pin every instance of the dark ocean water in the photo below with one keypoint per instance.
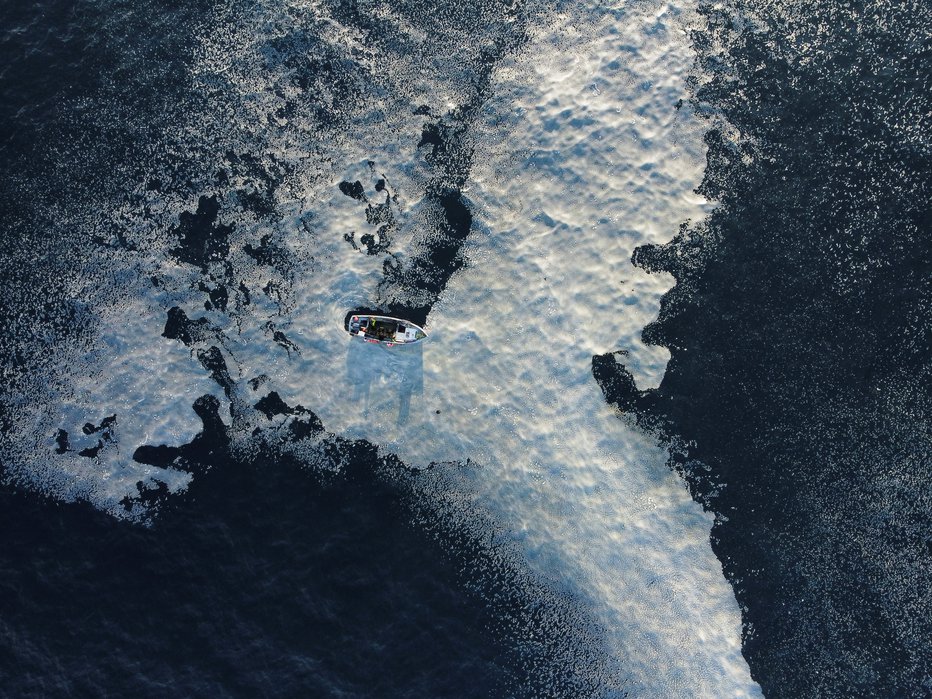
x,y
267,581
799,385
86,87
797,397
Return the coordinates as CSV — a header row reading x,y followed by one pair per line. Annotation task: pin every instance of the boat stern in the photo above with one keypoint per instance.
x,y
407,335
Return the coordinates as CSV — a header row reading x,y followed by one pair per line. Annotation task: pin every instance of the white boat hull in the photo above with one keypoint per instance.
x,y
385,330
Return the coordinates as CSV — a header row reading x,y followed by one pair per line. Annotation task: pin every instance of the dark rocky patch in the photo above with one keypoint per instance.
x,y
201,240
430,136
151,494
62,443
210,444
272,405
92,452
187,331
281,339
104,429
161,455
354,190
437,255
376,245
257,381
377,214
276,292
267,253
105,424
212,360
262,181
438,258
258,201
351,239
305,427
218,297
381,213
214,440
445,141
618,384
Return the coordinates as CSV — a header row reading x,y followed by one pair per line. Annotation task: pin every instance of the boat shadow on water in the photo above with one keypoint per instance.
x,y
394,373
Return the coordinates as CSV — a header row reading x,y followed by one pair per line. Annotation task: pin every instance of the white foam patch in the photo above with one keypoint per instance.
x,y
583,158
129,370
580,158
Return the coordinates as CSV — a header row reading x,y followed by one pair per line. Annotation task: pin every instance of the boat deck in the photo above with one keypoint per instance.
x,y
385,330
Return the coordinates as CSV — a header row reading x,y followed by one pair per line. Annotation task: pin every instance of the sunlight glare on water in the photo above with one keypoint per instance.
x,y
590,160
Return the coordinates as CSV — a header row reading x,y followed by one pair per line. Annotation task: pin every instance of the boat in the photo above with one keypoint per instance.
x,y
385,330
